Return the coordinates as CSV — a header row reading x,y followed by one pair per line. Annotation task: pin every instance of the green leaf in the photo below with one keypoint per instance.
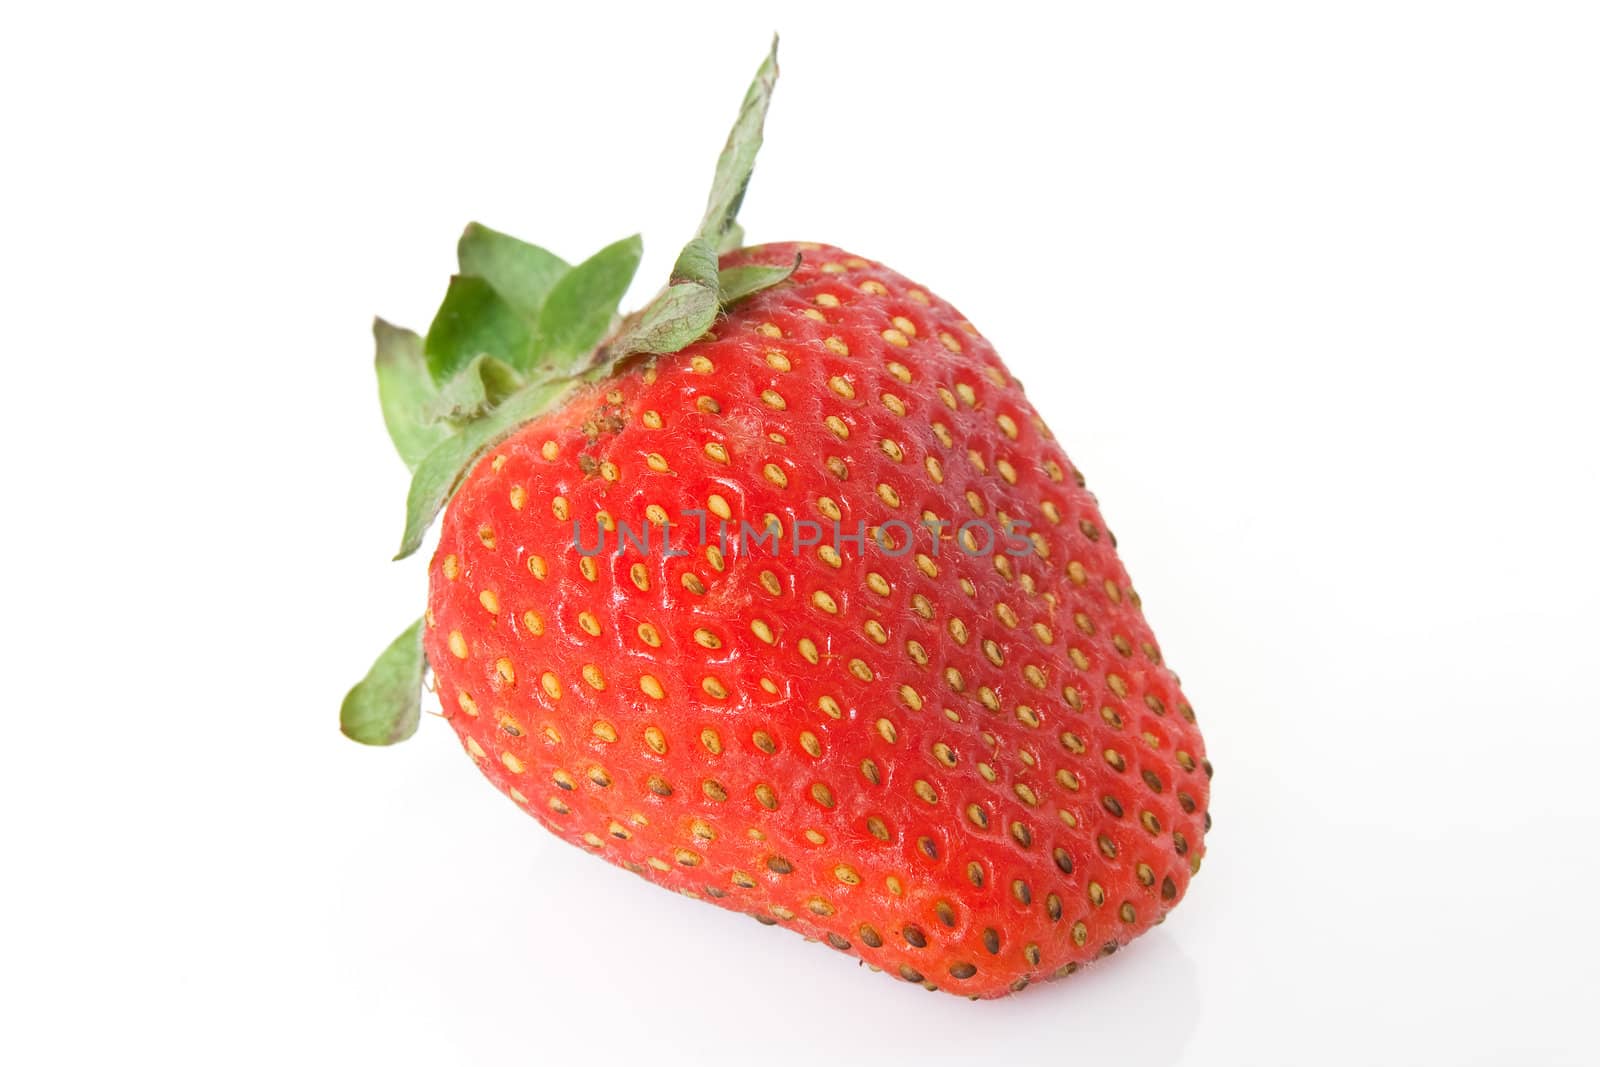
x,y
442,470
673,320
732,238
523,274
697,263
481,346
738,157
480,386
737,283
473,320
386,705
581,307
405,391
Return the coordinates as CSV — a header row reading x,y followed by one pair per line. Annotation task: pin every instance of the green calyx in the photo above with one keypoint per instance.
x,y
518,332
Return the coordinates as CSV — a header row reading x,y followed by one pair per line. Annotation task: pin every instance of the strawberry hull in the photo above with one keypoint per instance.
x,y
951,748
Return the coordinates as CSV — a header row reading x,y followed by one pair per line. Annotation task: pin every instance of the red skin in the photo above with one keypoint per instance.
x,y
1090,699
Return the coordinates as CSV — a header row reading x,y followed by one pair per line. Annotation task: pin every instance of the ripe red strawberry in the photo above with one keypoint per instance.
x,y
950,747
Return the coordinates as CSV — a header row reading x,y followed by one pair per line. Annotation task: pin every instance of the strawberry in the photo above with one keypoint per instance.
x,y
780,593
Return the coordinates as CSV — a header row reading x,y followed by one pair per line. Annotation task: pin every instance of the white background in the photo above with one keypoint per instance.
x,y
1310,292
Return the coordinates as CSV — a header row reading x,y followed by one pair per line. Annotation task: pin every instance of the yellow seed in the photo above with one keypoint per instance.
x,y
836,346
549,450
640,577
775,475
716,452
490,601
896,338
925,791
651,686
875,288
458,645
512,763
559,508
714,687
537,567
887,731
592,675
825,602
476,749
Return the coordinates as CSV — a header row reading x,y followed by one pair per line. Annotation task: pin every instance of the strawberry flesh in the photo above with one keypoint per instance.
x,y
968,766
